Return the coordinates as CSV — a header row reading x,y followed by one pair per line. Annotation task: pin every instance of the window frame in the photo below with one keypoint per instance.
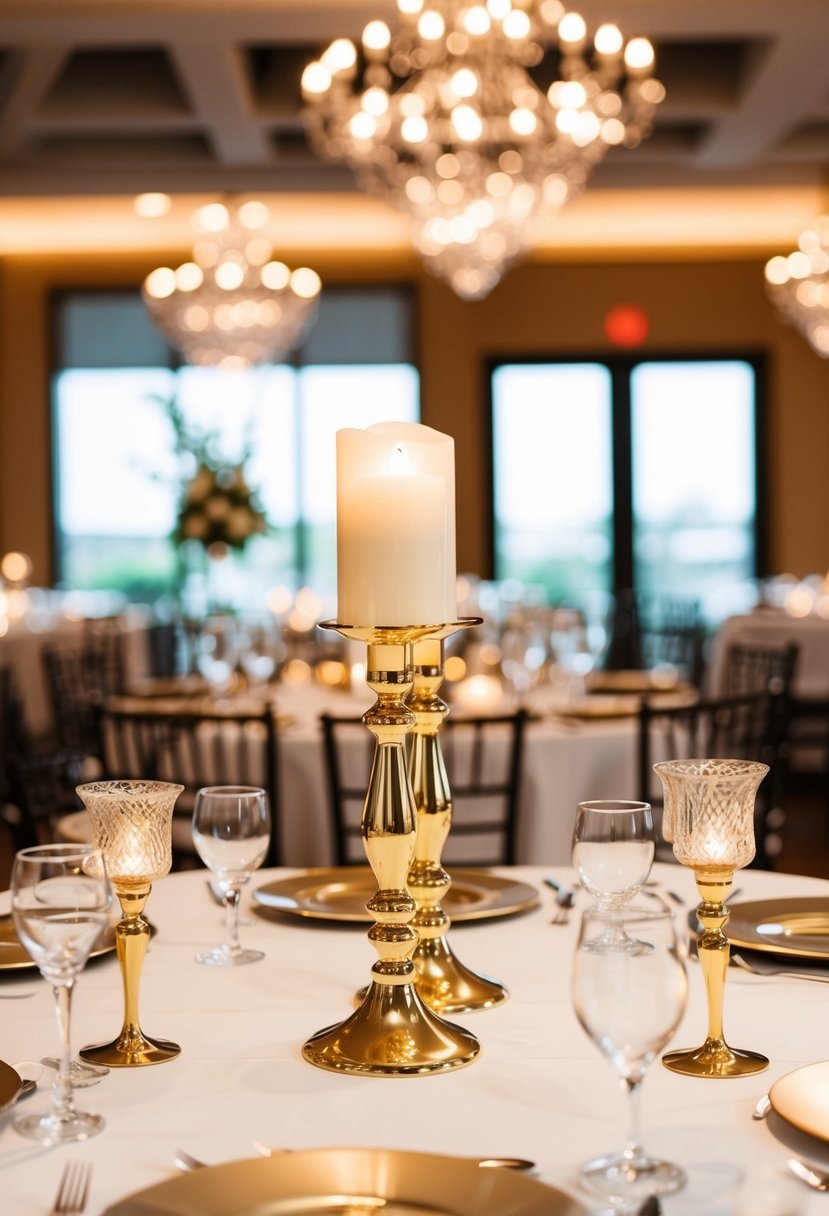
x,y
620,367
175,360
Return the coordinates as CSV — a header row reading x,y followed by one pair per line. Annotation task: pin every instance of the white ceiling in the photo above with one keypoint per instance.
x,y
103,99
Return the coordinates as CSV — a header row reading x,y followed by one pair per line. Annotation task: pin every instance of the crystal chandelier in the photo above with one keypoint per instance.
x,y
799,285
232,306
475,119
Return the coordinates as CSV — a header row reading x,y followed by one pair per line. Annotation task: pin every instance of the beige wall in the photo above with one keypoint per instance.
x,y
539,309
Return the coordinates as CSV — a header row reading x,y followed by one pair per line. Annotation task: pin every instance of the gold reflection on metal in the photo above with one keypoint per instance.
x,y
132,821
443,981
714,1058
393,1032
132,934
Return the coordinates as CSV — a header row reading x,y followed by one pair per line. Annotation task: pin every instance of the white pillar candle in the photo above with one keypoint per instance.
x,y
395,526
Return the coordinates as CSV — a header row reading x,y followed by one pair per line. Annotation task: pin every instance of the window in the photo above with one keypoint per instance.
x,y
118,477
629,473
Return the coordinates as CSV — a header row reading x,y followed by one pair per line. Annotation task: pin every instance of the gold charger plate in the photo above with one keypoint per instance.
x,y
10,1083
600,706
798,928
802,1099
340,893
15,957
350,1182
633,680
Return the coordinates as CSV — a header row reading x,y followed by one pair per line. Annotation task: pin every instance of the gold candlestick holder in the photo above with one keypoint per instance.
x,y
712,825
444,983
132,822
393,1032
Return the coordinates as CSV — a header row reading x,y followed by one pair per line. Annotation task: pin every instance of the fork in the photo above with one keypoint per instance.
x,y
565,900
776,972
74,1188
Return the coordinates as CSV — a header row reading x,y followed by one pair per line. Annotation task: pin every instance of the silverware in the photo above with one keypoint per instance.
x,y
677,899
772,971
761,1107
816,1179
565,900
73,1189
184,1161
96,1071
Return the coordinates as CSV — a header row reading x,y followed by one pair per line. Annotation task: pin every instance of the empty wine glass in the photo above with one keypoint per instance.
x,y
231,832
217,652
60,904
629,1003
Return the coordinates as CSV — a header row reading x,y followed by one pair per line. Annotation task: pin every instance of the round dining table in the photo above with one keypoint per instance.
x,y
539,1089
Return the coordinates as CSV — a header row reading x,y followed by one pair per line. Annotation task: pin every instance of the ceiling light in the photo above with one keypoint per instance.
x,y
232,306
512,91
798,284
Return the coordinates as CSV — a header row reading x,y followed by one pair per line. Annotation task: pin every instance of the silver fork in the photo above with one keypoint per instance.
x,y
565,899
772,971
74,1188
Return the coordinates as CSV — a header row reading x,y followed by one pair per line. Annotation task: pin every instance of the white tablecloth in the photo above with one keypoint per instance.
x,y
540,1088
565,762
774,627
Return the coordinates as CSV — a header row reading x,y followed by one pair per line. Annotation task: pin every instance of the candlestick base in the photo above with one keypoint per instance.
x,y
393,1033
447,986
130,1050
714,1059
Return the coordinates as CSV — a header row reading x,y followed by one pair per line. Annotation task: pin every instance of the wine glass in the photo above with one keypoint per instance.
x,y
231,832
629,1003
218,652
613,847
60,904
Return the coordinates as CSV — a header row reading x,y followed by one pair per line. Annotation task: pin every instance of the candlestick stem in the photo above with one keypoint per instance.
x,y
714,1058
443,981
131,1048
393,1032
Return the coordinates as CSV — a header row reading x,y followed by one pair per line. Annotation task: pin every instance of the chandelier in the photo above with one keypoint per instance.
x,y
798,285
475,119
232,305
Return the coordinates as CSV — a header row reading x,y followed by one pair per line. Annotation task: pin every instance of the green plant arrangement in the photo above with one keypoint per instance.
x,y
217,508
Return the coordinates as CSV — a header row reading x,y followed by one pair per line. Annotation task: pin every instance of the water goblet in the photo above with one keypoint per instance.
x,y
60,905
613,848
231,832
629,1003
218,652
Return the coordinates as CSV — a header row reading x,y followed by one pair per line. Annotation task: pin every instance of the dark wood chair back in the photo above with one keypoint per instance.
x,y
749,726
194,748
484,760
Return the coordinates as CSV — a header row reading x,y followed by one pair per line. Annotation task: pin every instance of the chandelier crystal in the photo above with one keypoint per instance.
x,y
476,119
798,285
232,305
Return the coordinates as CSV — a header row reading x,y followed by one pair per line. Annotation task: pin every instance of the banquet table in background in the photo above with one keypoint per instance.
x,y
566,760
540,1088
775,627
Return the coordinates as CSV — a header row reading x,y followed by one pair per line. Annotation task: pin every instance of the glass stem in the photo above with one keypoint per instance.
x,y
62,1089
633,1151
233,897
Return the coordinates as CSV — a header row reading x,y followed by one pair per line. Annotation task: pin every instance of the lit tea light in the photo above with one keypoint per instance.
x,y
296,672
454,668
800,602
479,693
278,600
16,568
331,672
